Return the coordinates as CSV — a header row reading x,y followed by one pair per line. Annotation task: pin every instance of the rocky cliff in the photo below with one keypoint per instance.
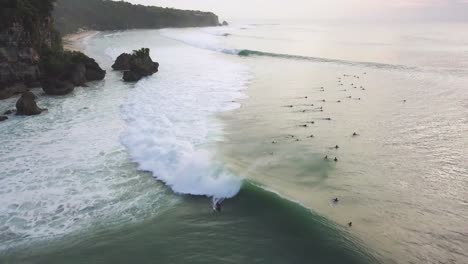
x,y
71,15
31,52
26,27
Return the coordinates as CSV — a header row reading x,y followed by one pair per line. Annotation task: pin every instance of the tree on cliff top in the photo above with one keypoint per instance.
x,y
72,15
27,12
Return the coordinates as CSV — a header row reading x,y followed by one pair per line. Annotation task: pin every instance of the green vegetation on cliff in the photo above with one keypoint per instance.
x,y
71,15
31,51
34,17
28,13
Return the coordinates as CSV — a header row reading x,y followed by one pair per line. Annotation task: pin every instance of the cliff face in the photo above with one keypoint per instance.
x,y
20,50
71,15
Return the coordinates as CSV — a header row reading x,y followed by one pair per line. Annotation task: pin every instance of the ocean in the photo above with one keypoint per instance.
x,y
126,173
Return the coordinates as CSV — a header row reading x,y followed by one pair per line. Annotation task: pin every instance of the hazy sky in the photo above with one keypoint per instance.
x,y
448,10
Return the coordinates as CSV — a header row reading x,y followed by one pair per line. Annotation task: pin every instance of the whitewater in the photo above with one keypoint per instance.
x,y
171,129
115,134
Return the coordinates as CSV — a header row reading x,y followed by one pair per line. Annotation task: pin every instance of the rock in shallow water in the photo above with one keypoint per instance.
x,y
130,76
57,87
122,63
26,105
94,71
3,118
9,112
137,65
78,74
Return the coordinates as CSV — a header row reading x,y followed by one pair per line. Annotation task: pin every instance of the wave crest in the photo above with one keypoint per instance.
x,y
170,124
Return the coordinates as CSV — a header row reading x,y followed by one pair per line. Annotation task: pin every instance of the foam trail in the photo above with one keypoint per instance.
x,y
170,128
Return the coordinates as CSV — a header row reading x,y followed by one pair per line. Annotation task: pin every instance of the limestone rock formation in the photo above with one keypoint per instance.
x,y
139,65
26,105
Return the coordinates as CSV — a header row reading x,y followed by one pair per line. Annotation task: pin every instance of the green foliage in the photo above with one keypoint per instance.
x,y
56,40
27,12
54,62
71,15
141,53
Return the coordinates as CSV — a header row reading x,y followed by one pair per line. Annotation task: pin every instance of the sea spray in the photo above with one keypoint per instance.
x,y
170,120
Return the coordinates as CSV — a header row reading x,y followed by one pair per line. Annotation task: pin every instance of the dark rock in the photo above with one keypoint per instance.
x,y
122,63
16,88
93,71
3,118
73,67
130,76
33,84
57,87
9,112
26,105
20,45
225,23
74,73
78,74
140,65
144,66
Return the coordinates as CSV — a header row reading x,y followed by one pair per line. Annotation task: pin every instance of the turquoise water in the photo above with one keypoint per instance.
x,y
119,173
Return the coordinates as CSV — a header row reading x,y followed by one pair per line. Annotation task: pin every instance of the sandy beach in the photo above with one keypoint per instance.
x,y
74,41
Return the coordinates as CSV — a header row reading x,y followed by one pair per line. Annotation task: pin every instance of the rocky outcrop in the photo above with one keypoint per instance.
x,y
138,66
225,23
18,61
71,15
31,52
66,70
26,105
3,118
122,62
9,112
77,74
93,71
57,87
25,28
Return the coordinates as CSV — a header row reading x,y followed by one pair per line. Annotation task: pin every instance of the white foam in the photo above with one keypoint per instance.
x,y
171,124
65,170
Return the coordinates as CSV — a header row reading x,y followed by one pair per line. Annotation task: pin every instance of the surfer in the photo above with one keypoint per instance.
x,y
336,159
337,147
326,157
336,200
217,204
350,224
218,207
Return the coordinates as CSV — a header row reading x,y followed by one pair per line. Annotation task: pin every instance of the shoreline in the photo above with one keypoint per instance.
x,y
74,41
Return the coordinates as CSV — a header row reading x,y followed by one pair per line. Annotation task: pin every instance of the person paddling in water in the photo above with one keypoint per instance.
x,y
218,207
217,204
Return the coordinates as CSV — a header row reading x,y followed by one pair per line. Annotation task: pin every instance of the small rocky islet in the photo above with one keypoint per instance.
x,y
76,69
72,69
32,54
136,65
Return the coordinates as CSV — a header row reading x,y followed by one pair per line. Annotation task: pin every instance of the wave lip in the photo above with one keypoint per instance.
x,y
170,124
247,52
211,40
